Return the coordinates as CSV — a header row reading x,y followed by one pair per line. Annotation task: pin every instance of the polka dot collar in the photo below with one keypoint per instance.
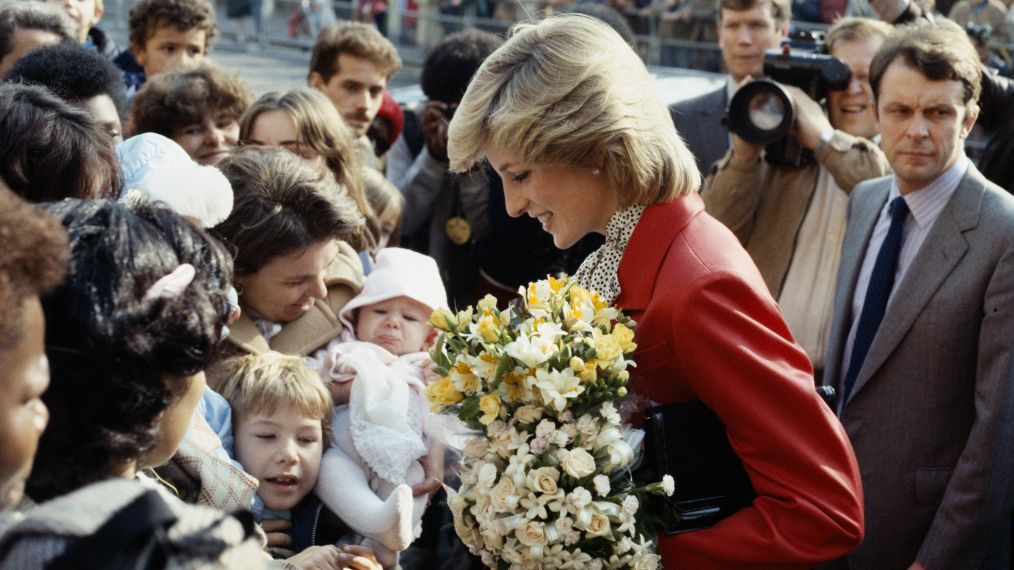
x,y
600,270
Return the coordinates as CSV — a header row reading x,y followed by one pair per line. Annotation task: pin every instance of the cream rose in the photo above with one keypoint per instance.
x,y
533,534
476,447
504,495
646,561
543,480
578,463
528,414
598,525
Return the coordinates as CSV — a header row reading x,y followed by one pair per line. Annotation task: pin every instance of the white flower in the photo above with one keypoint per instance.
x,y
476,447
545,428
587,425
668,485
618,454
601,483
557,386
609,412
623,545
539,445
578,499
492,539
578,463
560,438
646,561
532,351
487,475
630,505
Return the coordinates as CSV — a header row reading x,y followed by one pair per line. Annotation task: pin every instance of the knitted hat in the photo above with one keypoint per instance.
x,y
399,273
156,169
391,110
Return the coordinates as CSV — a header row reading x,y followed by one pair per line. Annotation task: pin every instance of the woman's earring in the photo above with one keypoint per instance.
x,y
596,171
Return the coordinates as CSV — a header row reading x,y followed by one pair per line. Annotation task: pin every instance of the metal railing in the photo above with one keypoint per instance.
x,y
292,24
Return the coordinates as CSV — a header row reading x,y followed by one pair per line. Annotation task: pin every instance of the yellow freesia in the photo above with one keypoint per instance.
x,y
443,319
488,328
607,348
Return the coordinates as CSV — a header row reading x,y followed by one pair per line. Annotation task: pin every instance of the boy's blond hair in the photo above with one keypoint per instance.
x,y
263,383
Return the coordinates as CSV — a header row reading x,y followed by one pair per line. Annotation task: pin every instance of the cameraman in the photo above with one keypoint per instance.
x,y
792,221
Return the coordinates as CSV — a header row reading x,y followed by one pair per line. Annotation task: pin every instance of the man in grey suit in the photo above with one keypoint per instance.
x,y
922,340
746,29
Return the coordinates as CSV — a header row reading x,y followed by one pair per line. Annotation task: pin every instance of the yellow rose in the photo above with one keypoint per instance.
x,y
607,347
625,336
488,328
442,393
490,406
443,320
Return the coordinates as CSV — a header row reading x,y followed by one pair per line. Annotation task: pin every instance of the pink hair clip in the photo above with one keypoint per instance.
x,y
173,284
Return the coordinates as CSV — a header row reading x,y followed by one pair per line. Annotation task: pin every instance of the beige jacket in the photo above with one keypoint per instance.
x,y
765,206
315,328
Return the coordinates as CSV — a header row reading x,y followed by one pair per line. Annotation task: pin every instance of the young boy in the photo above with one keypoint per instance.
x,y
281,421
85,14
377,382
165,35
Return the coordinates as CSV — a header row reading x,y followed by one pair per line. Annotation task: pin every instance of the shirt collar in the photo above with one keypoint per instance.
x,y
927,202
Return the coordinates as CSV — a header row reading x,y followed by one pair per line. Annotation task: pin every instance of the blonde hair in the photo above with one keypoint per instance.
x,y
855,30
322,128
568,90
262,383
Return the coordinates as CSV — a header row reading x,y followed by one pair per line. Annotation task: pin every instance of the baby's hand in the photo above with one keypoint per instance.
x,y
318,558
340,391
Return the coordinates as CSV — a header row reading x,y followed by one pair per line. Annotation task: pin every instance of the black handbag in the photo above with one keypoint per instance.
x,y
688,441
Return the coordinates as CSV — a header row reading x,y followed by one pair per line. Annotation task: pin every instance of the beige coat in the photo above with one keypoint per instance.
x,y
765,206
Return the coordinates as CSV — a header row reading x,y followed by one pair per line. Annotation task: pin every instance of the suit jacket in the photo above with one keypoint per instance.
x,y
699,122
931,415
765,206
708,329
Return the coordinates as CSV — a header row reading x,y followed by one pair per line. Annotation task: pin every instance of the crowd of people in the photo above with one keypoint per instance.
x,y
214,305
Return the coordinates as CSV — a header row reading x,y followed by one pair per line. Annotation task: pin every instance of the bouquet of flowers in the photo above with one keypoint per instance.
x,y
546,477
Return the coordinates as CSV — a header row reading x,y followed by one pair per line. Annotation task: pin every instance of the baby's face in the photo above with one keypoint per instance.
x,y
398,324
282,450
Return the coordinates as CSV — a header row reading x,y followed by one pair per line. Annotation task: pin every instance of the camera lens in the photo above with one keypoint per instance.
x,y
761,112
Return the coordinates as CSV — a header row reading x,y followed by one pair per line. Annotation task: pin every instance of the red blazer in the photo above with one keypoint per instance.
x,y
708,329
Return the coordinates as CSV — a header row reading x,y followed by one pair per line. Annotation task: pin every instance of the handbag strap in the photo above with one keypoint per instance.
x,y
133,537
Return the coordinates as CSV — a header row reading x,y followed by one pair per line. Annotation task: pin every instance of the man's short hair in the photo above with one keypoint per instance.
x,y
939,50
73,72
353,38
781,10
451,64
856,30
32,16
146,16
176,99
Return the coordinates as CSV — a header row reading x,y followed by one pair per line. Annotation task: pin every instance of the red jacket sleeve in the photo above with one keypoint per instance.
x,y
734,351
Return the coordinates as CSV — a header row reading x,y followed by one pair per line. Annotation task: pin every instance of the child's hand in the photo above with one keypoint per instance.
x,y
278,538
356,557
318,558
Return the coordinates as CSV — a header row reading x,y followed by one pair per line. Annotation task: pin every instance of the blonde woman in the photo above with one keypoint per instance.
x,y
566,114
306,123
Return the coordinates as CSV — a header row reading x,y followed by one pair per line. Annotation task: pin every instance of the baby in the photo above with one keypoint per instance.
x,y
377,380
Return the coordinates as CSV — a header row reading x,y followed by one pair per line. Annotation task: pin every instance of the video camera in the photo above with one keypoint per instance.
x,y
762,112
